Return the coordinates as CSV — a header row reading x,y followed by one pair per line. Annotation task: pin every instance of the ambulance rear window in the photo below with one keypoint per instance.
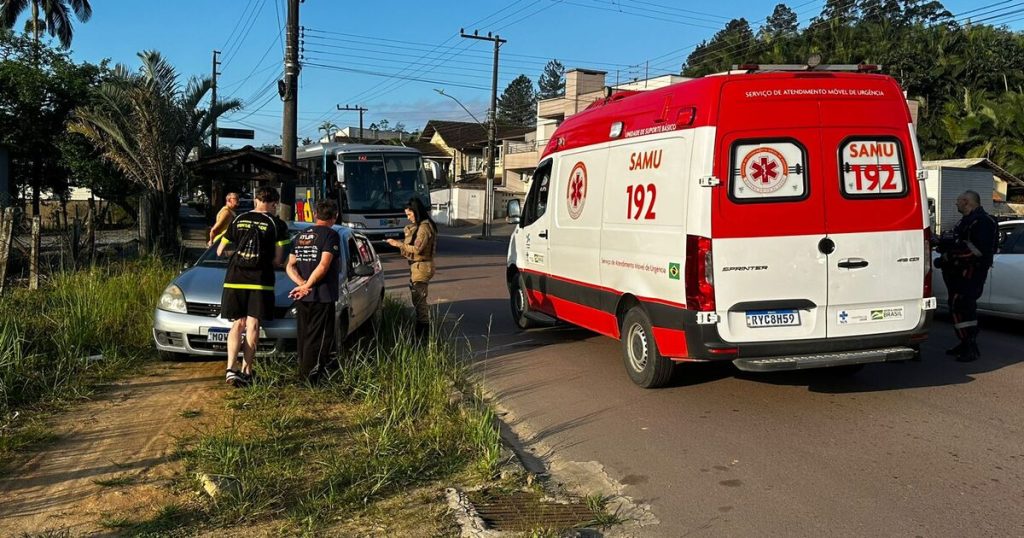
x,y
872,167
768,171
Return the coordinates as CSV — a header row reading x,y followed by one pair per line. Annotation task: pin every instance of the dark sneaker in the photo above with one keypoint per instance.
x,y
234,378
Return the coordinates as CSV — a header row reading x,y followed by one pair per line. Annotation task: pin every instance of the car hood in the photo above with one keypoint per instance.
x,y
206,284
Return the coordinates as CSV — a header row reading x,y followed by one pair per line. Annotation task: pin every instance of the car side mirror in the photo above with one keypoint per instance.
x,y
363,269
514,211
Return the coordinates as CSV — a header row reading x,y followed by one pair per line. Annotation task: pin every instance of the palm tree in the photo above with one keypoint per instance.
x,y
147,125
326,127
55,17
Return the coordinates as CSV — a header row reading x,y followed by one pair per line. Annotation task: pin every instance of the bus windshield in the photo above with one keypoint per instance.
x,y
376,182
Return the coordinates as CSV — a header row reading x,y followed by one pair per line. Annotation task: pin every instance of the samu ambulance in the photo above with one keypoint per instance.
x,y
772,217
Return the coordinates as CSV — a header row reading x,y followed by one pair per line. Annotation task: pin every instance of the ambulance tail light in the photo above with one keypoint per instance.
x,y
700,270
927,259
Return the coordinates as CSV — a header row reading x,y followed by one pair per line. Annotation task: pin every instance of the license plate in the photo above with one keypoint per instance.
x,y
772,318
217,334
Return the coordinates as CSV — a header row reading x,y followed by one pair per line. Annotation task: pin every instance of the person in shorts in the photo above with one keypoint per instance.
x,y
258,238
314,266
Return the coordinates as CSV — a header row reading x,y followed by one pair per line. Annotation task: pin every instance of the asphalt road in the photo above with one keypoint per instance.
x,y
934,448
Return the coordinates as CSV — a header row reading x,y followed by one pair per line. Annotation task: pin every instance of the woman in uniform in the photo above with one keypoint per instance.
x,y
419,247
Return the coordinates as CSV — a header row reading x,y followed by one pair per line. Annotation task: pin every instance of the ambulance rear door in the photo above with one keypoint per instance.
x,y
768,221
875,220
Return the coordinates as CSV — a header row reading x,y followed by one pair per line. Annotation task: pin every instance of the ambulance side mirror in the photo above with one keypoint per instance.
x,y
514,211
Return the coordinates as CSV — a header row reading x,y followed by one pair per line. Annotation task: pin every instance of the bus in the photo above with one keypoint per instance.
x,y
371,183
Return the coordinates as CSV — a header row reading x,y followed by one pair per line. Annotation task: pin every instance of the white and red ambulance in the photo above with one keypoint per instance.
x,y
772,218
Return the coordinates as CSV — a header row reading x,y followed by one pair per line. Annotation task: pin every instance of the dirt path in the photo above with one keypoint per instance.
x,y
123,438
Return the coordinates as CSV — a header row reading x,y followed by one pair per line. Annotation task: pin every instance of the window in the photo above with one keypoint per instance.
x,y
537,199
353,258
872,168
768,171
365,251
1010,241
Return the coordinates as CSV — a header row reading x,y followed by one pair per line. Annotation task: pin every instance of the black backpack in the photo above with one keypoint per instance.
x,y
247,254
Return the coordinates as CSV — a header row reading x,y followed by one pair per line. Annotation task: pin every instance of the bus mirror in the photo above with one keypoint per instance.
x,y
514,211
340,168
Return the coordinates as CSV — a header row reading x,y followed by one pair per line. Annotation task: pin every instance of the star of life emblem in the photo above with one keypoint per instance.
x,y
764,170
576,193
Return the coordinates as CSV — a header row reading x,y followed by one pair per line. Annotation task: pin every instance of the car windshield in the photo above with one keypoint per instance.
x,y
211,259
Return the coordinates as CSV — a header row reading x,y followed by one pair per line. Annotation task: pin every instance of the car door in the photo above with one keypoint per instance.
x,y
372,287
355,285
1004,291
536,228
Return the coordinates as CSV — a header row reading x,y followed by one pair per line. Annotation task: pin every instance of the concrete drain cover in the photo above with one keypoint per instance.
x,y
525,511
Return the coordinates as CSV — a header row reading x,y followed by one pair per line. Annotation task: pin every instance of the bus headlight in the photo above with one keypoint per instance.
x,y
357,225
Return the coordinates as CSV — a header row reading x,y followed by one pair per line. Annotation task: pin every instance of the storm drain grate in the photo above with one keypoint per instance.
x,y
525,511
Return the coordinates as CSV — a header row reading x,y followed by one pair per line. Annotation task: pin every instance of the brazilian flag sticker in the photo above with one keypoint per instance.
x,y
673,271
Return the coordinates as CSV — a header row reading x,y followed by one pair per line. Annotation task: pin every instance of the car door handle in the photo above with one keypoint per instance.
x,y
853,263
543,234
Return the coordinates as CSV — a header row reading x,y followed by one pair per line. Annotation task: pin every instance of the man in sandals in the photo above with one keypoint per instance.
x,y
258,239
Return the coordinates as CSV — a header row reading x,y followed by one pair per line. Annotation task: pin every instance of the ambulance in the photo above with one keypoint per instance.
x,y
771,216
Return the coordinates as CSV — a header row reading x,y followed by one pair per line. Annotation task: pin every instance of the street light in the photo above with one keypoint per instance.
x,y
487,192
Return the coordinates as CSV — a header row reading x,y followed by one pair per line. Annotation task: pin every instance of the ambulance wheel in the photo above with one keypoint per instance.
x,y
644,364
520,305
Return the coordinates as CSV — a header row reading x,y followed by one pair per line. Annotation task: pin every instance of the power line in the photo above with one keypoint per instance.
x,y
245,35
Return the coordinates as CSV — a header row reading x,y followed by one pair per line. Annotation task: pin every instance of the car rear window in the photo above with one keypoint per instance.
x,y
768,171
872,167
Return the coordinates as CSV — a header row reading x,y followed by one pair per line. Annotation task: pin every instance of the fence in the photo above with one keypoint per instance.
x,y
29,253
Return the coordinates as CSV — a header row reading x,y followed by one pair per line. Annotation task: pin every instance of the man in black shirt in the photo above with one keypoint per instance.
x,y
258,239
313,266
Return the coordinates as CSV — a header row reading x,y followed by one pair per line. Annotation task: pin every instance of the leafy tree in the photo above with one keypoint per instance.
x,y
147,125
88,169
552,81
383,124
51,16
733,44
39,87
400,127
837,12
305,142
517,104
326,128
782,22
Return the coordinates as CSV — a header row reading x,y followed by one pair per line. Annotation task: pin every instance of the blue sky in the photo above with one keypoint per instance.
x,y
415,40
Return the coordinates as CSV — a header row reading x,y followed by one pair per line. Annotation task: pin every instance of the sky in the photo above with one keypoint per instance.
x,y
390,57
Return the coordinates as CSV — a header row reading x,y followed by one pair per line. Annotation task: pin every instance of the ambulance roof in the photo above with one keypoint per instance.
x,y
695,103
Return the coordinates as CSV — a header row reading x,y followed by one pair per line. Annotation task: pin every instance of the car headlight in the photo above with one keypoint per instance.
x,y
172,300
358,225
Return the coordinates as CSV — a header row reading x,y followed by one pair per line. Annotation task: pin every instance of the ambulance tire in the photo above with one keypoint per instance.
x,y
644,364
519,304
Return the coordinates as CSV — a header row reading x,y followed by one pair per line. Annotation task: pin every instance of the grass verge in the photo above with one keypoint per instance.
x,y
390,420
51,341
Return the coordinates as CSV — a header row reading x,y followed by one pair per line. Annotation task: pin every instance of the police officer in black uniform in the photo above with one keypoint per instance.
x,y
967,252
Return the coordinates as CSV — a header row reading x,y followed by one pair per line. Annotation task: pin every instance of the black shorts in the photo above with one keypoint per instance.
x,y
236,304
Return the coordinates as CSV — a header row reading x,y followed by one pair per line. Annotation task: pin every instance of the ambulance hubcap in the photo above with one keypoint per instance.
x,y
637,340
520,300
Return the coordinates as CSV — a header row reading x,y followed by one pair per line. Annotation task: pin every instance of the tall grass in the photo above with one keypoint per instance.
x,y
47,336
388,420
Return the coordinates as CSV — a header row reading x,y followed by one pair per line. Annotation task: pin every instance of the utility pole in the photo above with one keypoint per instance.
x,y
489,194
289,90
360,110
213,101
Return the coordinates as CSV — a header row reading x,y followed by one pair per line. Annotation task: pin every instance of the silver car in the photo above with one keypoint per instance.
x,y
1003,295
188,322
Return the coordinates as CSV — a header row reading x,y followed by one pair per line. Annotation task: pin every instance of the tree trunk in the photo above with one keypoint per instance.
x,y
167,219
37,181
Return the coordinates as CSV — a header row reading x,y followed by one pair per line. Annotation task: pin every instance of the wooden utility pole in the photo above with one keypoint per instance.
x,y
33,257
289,90
360,110
6,231
213,101
493,132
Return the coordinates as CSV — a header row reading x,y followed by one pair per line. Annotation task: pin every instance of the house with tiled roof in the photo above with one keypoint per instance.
x,y
465,144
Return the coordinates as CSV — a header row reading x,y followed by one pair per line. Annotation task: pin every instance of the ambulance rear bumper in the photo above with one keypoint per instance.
x,y
823,360
705,343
